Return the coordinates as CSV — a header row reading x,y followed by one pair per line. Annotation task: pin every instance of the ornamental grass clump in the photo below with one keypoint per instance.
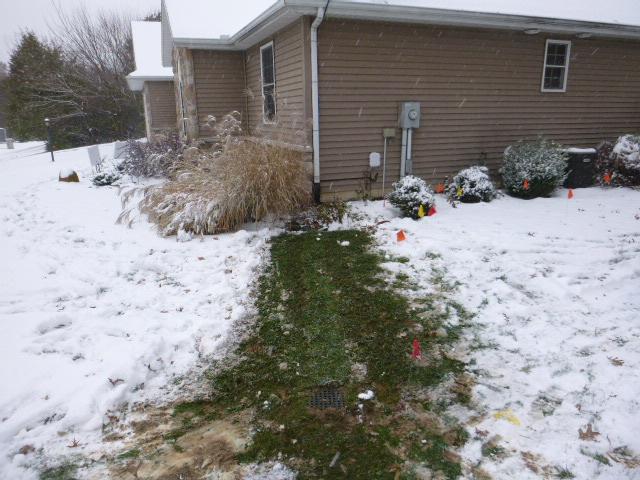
x,y
409,194
534,169
472,185
238,180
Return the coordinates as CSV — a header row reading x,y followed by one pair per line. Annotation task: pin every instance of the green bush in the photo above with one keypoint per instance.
x,y
109,175
534,169
409,194
472,185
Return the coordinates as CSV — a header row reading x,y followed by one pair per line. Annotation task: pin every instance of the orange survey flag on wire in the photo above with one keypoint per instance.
x,y
432,212
417,349
525,185
401,236
607,178
570,194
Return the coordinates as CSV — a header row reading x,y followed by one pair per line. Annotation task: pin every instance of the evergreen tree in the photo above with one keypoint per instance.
x,y
32,63
3,95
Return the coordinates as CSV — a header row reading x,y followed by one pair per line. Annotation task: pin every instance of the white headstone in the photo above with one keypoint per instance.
x,y
94,157
119,149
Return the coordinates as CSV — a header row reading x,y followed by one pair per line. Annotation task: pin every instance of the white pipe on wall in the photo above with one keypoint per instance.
x,y
315,100
408,167
403,154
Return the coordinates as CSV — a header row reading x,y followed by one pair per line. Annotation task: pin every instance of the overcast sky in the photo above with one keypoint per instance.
x,y
17,15
36,15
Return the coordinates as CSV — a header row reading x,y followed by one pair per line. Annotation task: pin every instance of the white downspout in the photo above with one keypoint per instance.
x,y
315,100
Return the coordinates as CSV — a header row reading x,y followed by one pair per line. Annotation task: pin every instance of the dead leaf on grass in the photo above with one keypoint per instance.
x,y
588,434
531,461
616,361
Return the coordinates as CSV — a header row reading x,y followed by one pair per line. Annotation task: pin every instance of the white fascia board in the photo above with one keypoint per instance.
x,y
136,83
277,17
436,16
286,11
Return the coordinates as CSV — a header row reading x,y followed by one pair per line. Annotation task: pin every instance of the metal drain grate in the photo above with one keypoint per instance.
x,y
327,397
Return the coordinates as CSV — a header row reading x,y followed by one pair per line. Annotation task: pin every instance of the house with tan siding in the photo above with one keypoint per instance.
x,y
433,86
152,79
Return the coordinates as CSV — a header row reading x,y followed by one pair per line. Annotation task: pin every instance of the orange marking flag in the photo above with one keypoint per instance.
x,y
417,350
401,236
570,194
440,188
607,178
526,185
432,212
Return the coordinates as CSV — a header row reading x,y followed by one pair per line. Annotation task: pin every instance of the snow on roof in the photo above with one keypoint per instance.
x,y
212,19
621,12
147,49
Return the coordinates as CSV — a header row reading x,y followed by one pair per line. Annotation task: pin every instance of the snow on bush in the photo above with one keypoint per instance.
x,y
237,181
110,174
626,154
534,169
409,194
627,150
153,159
472,185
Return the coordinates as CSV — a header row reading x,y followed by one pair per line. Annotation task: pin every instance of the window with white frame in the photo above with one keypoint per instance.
x,y
268,83
556,66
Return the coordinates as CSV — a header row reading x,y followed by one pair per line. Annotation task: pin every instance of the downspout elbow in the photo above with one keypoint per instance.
x,y
316,101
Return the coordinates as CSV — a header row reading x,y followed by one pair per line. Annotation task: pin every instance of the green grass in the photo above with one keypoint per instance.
x,y
322,308
66,471
562,472
134,453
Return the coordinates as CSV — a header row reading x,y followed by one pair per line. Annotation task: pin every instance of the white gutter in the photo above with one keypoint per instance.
x,y
286,11
315,101
136,82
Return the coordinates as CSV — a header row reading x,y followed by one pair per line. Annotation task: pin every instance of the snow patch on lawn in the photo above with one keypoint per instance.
x,y
555,340
95,315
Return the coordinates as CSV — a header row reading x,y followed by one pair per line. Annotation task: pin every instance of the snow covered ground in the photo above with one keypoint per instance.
x,y
94,314
556,340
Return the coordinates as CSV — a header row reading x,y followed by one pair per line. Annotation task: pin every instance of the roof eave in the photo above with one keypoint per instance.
x,y
136,82
275,18
287,11
364,11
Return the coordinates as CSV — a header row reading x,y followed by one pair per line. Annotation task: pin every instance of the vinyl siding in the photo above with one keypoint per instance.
x,y
479,89
219,82
162,105
293,115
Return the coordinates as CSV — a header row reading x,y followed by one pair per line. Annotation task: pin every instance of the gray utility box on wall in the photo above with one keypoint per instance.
x,y
410,115
3,135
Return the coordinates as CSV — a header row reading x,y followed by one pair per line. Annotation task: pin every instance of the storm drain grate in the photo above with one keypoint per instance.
x,y
327,397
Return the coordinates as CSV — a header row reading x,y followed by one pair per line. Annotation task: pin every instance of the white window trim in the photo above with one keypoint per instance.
x,y
566,66
275,113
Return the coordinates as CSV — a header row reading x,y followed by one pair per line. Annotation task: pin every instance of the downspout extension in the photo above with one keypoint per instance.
x,y
315,100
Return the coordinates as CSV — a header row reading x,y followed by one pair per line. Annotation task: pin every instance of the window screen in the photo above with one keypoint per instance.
x,y
268,83
556,66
